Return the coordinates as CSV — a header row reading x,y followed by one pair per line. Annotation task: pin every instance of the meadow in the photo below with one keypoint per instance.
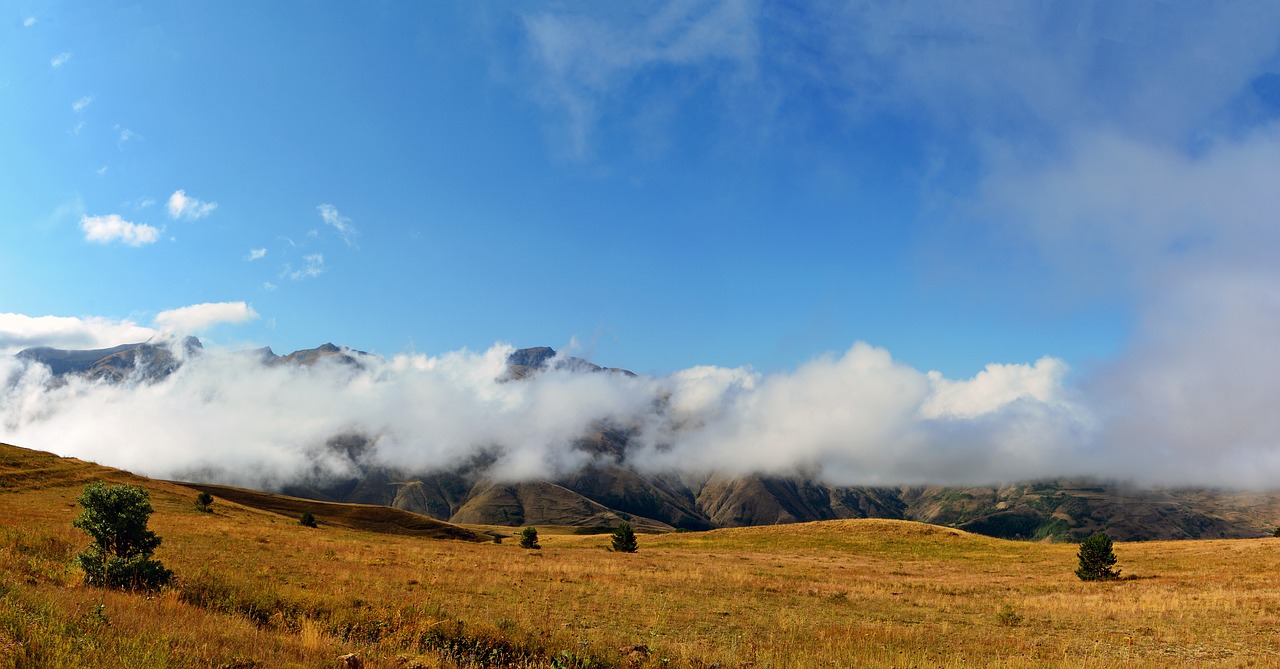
x,y
256,589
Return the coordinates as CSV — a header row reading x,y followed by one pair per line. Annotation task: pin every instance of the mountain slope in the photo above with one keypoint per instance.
x,y
610,489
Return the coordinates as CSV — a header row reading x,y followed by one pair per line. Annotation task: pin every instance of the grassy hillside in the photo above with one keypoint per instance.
x,y
255,589
367,517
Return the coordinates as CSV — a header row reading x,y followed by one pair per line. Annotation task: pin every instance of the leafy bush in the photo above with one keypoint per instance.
x,y
204,502
120,555
1096,559
624,539
307,520
529,538
1008,616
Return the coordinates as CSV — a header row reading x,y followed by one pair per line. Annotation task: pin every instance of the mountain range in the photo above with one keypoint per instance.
x,y
610,491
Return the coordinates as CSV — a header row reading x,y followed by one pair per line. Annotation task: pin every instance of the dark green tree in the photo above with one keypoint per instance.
x,y
307,520
624,539
529,538
115,517
204,502
1096,559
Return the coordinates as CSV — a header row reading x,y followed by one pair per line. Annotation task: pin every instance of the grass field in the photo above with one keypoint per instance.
x,y
255,589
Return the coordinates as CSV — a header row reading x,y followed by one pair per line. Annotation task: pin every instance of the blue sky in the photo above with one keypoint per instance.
x,y
667,185
912,242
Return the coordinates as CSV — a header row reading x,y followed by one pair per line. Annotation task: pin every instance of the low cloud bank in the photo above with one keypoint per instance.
x,y
854,418
19,331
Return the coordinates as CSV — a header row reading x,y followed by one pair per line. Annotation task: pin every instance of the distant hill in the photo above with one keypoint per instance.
x,y
24,469
148,360
612,491
154,360
367,517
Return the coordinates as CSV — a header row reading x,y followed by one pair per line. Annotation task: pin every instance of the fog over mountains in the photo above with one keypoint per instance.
x,y
169,407
531,436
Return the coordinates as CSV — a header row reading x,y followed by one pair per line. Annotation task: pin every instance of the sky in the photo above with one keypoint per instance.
x,y
1065,206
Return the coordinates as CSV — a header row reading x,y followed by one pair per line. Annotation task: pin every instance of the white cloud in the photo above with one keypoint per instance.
x,y
338,222
256,254
60,59
82,104
268,286
1192,400
853,418
29,21
125,136
18,331
994,387
1139,209
313,268
183,207
111,228
199,317
101,171
863,418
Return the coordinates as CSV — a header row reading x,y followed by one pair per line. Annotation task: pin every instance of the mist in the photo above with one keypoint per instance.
x,y
858,417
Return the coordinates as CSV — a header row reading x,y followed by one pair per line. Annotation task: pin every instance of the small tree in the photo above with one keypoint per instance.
x,y
624,539
1096,559
307,520
115,517
204,502
529,538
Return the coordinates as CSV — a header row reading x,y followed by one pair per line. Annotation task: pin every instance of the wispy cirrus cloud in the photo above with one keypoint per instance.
x,y
82,104
313,267
256,254
112,228
334,219
29,21
184,207
125,136
584,58
59,60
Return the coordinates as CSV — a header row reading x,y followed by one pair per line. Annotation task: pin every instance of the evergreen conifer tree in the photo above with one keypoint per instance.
x,y
1096,559
204,502
624,539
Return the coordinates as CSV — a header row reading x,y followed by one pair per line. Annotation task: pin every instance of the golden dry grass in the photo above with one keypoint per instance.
x,y
867,593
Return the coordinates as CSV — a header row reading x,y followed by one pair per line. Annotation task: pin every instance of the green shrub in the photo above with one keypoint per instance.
x,y
529,538
1096,559
1008,616
120,555
307,520
204,502
624,539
